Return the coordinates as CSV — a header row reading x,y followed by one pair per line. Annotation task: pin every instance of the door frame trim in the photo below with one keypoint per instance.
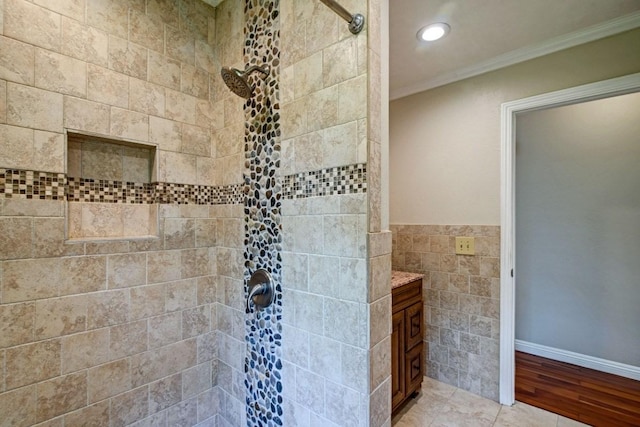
x,y
604,89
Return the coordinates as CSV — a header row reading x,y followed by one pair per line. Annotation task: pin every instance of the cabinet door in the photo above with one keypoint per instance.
x,y
397,360
414,369
414,325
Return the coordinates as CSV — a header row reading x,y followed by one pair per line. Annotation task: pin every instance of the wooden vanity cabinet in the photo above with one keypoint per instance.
x,y
407,357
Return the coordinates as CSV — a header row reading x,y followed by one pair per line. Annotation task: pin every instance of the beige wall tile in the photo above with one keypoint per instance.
x,y
490,267
229,140
181,295
233,168
146,30
322,30
30,279
127,339
307,75
108,380
323,109
16,61
164,70
48,151
196,380
84,350
380,320
84,42
102,220
107,87
339,62
16,147
196,140
165,330
352,99
83,274
32,24
106,247
340,145
194,16
98,413
17,323
102,161
187,412
206,231
34,108
128,58
206,57
107,308
136,163
209,171
72,8
17,234
60,316
166,133
166,11
3,101
164,361
86,115
147,301
59,73
126,270
180,45
18,407
210,114
129,407
164,393
194,81
177,167
129,124
146,97
196,321
108,15
25,207
180,107
139,220
179,233
32,363
163,266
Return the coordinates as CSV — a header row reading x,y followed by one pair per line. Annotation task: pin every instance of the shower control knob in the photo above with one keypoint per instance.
x,y
261,290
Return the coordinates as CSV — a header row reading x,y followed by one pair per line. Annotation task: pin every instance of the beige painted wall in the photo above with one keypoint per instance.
x,y
445,142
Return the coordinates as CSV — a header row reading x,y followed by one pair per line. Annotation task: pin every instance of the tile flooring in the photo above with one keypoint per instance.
x,y
440,405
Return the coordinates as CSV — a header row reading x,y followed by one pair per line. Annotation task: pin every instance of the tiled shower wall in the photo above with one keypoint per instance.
x,y
461,301
126,330
336,363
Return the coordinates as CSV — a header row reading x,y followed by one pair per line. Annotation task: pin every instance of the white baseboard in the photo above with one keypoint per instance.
x,y
611,367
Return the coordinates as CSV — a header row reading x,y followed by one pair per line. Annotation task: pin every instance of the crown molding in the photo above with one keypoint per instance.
x,y
586,35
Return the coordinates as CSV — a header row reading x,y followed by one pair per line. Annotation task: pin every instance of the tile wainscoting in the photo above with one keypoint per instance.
x,y
462,301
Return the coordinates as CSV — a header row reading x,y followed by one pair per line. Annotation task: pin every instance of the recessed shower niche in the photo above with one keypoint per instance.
x,y
110,192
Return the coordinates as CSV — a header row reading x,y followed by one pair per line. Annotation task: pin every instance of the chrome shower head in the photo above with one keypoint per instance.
x,y
238,81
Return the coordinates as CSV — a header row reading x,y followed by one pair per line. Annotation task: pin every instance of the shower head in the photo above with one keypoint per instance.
x,y
238,81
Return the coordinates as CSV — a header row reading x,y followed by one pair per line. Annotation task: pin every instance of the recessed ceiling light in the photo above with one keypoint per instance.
x,y
433,32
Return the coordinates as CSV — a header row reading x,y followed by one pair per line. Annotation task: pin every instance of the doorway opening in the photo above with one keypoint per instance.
x,y
600,90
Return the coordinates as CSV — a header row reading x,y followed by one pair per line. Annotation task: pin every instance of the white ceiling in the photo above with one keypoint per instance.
x,y
489,34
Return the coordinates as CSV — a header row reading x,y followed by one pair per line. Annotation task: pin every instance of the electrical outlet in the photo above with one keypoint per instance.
x,y
465,246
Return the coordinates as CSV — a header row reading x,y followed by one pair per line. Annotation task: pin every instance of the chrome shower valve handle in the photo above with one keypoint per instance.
x,y
261,290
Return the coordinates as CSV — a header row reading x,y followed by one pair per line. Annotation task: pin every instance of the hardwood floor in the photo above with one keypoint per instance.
x,y
586,395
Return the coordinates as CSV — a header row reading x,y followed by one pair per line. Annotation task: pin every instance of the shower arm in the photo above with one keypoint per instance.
x,y
356,21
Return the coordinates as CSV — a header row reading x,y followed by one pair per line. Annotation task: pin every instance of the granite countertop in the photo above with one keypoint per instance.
x,y
400,278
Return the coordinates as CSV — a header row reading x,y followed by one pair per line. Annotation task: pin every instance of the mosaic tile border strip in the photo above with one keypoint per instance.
x,y
24,184
348,179
103,191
